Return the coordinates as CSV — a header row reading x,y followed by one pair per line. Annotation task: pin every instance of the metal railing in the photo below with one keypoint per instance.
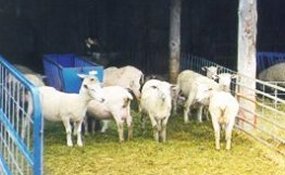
x,y
21,124
267,122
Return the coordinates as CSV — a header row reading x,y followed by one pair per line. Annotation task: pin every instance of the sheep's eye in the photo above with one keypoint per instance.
x,y
92,79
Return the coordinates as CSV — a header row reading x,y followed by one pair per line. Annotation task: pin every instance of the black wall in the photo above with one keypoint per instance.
x,y
31,28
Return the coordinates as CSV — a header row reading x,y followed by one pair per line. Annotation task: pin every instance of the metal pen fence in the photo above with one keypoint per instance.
x,y
267,124
21,124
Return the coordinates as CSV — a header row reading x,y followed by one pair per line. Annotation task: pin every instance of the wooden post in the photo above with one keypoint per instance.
x,y
247,31
174,39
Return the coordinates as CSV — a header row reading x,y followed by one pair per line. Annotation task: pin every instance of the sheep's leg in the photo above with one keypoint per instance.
x,y
163,130
200,111
105,125
217,130
155,128
156,134
206,112
187,105
130,127
120,127
74,128
78,126
67,126
85,122
229,130
93,126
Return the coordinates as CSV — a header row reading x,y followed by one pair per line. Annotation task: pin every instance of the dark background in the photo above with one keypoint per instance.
x,y
136,29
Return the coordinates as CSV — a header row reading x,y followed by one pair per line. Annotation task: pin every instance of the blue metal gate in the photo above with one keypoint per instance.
x,y
21,124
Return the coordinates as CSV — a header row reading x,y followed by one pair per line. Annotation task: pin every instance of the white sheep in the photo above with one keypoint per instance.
x,y
116,106
67,107
223,108
187,83
127,77
156,103
274,73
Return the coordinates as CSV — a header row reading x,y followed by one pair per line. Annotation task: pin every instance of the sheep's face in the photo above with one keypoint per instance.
x,y
225,79
210,70
92,85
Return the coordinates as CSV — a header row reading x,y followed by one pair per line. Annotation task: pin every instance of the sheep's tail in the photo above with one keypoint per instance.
x,y
222,120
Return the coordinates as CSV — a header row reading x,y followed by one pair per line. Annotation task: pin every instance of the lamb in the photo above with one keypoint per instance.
x,y
156,103
223,108
274,73
116,106
127,77
187,83
67,107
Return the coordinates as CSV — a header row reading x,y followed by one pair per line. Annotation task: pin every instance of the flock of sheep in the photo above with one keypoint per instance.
x,y
157,100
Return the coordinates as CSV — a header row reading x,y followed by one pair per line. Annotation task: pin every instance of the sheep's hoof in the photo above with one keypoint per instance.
x,y
70,145
80,145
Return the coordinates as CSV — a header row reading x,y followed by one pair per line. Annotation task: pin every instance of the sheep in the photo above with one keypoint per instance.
x,y
156,103
187,82
274,73
67,107
116,106
223,108
127,77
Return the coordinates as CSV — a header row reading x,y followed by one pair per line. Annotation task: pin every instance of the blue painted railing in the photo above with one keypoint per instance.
x,y
21,132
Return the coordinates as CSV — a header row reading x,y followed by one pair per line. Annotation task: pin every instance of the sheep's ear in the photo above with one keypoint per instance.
x,y
81,75
204,68
234,76
93,72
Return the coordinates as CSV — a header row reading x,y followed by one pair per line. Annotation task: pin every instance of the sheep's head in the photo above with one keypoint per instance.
x,y
224,80
203,93
210,70
92,86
